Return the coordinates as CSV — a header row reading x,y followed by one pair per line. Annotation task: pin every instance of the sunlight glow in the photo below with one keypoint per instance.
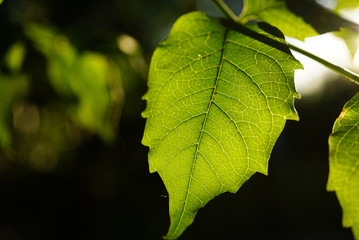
x,y
353,15
329,47
127,44
356,59
315,76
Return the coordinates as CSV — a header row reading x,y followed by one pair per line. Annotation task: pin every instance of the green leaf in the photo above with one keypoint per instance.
x,y
276,13
350,38
91,78
347,4
344,163
217,101
15,57
12,88
328,21
296,18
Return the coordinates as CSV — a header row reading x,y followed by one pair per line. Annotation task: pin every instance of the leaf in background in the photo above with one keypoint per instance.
x,y
98,76
296,18
217,101
344,163
12,88
60,55
91,78
350,38
322,19
15,57
347,4
276,13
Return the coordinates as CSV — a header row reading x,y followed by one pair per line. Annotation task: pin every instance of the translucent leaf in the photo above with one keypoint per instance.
x,y
296,18
344,163
276,12
217,101
323,20
347,4
350,38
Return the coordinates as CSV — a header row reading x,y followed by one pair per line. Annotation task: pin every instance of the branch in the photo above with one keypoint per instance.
x,y
345,72
226,10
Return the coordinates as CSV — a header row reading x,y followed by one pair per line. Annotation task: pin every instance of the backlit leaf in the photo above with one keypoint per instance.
x,y
344,163
347,4
276,13
350,38
296,18
322,19
218,99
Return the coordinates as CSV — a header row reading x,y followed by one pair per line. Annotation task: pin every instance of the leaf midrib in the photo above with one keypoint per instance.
x,y
203,127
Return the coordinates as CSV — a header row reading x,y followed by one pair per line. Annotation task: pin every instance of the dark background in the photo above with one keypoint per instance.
x,y
104,190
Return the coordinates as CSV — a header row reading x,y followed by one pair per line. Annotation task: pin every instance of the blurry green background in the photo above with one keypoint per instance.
x,y
72,166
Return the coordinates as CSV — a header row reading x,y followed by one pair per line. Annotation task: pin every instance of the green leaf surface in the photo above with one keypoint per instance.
x,y
323,20
217,101
344,163
296,18
276,13
347,4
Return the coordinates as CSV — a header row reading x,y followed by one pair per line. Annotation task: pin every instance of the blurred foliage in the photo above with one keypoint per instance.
x,y
342,4
63,96
89,78
13,86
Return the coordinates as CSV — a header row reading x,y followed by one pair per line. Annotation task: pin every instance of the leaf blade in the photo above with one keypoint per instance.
x,y
303,14
276,13
212,114
344,163
347,4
